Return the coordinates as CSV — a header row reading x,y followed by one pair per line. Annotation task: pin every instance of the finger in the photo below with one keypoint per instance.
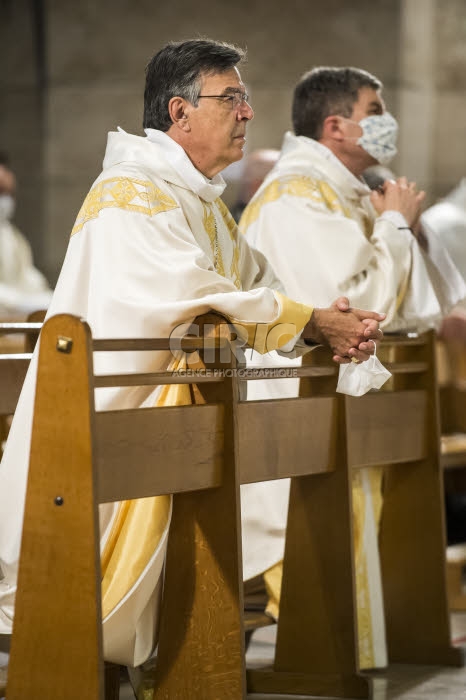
x,y
342,304
371,328
421,196
341,360
403,182
377,200
368,348
376,333
366,317
360,355
412,186
373,331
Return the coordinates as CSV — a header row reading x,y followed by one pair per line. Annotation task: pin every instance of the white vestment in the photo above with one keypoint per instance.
x,y
447,221
153,246
314,222
22,287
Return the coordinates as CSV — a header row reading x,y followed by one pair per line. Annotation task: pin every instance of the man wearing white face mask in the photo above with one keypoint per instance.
x,y
326,234
22,287
317,221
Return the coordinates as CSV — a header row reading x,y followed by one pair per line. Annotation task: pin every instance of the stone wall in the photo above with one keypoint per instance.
x,y
96,50
22,99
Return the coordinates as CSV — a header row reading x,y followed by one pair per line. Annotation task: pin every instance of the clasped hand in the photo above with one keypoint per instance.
x,y
349,332
401,196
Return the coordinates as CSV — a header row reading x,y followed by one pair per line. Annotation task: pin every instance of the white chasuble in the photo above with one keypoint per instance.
x,y
22,287
313,220
153,246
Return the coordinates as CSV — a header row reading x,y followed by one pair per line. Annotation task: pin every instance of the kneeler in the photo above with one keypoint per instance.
x,y
57,632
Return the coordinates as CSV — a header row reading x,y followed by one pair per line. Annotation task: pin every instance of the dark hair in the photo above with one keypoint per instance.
x,y
176,70
324,91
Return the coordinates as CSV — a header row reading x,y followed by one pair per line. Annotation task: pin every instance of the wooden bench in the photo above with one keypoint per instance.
x,y
58,625
317,439
316,651
200,652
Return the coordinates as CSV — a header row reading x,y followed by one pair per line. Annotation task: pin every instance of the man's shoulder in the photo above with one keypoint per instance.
x,y
313,190
128,187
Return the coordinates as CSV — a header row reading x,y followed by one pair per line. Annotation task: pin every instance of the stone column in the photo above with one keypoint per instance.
x,y
417,91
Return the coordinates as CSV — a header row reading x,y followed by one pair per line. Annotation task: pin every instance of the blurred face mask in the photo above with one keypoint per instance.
x,y
7,206
357,378
379,134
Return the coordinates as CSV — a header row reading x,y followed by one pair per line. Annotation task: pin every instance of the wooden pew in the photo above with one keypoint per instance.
x,y
316,651
58,618
317,439
21,338
199,655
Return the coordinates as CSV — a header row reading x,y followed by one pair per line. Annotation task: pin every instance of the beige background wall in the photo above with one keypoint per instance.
x,y
82,75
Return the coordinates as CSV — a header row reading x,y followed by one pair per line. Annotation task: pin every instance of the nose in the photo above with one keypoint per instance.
x,y
245,111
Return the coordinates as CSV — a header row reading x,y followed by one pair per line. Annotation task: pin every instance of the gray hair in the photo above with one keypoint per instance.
x,y
177,70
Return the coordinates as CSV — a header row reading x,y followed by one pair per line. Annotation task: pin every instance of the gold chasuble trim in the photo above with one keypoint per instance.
x,y
265,337
318,191
128,193
210,225
232,227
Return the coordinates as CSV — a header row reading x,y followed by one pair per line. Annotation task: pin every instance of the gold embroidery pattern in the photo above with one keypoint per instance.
x,y
126,193
365,641
210,226
361,502
233,231
317,191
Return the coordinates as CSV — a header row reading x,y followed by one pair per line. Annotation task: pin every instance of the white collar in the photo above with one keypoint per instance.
x,y
209,190
313,151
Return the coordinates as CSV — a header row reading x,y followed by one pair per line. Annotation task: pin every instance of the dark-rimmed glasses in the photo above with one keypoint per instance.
x,y
236,100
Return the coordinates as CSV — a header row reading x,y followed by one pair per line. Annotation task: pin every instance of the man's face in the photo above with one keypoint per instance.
x,y
218,127
369,103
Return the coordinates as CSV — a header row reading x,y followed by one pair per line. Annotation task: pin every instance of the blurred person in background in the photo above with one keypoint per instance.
x,y
22,287
255,167
447,218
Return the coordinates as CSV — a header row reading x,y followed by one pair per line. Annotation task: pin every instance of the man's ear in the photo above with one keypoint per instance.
x,y
331,129
178,109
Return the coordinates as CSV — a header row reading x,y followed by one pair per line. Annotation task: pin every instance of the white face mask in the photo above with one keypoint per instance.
x,y
356,379
379,132
7,206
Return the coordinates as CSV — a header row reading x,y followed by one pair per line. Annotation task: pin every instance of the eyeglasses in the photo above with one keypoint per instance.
x,y
236,100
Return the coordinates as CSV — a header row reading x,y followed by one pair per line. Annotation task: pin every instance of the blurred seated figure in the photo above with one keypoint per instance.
x,y
22,287
256,165
448,219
